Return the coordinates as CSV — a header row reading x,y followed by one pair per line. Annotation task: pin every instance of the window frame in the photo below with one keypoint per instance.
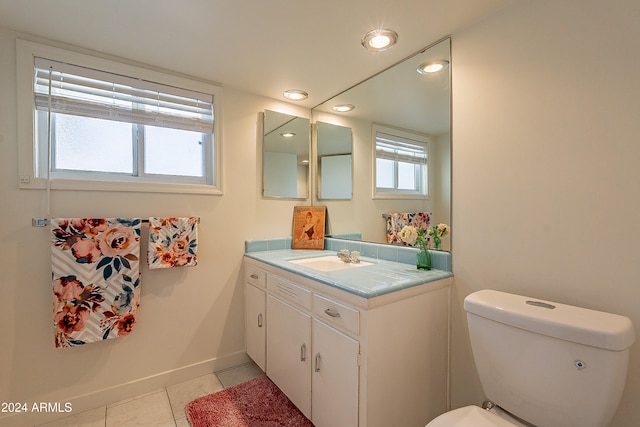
x,y
27,51
395,193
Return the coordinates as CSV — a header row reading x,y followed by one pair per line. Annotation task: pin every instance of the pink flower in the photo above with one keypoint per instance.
x,y
183,260
86,251
71,318
90,226
167,258
67,288
179,246
125,324
117,241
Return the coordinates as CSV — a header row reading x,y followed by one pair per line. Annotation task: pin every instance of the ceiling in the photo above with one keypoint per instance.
x,y
260,46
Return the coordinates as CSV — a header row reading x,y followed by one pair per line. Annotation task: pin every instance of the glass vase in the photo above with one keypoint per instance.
x,y
437,244
423,261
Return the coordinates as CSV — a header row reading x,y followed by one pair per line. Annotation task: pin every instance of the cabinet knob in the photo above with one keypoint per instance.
x,y
317,362
331,312
303,352
254,276
260,320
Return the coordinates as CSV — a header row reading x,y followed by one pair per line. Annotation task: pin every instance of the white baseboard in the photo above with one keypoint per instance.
x,y
97,398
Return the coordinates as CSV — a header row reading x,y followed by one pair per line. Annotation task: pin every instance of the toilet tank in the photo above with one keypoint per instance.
x,y
550,364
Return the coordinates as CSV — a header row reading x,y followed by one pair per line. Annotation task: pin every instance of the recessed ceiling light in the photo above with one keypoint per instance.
x,y
295,94
343,108
432,66
288,135
305,161
379,40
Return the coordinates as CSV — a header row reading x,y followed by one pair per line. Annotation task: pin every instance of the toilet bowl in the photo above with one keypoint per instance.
x,y
543,363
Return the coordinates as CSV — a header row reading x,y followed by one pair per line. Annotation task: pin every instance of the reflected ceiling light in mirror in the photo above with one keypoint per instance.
x,y
343,108
432,66
295,94
379,40
287,135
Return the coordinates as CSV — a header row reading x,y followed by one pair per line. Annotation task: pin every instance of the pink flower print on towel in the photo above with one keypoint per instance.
x,y
96,278
173,242
397,221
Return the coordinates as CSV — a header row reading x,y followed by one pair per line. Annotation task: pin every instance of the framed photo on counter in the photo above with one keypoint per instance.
x,y
308,227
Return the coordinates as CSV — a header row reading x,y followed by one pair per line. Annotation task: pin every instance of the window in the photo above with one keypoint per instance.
x,y
400,163
122,127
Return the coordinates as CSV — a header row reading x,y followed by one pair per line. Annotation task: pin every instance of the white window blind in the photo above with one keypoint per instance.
x,y
91,93
399,149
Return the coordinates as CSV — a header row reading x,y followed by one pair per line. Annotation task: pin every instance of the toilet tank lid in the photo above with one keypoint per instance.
x,y
570,323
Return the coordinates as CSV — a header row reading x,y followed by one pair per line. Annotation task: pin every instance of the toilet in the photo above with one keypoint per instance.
x,y
543,363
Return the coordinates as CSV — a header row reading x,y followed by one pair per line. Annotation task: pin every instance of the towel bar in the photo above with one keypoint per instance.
x,y
43,222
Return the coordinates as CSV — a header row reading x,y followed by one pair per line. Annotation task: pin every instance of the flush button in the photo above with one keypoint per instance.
x,y
580,364
541,304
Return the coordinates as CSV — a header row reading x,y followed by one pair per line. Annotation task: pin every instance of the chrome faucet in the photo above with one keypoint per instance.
x,y
345,256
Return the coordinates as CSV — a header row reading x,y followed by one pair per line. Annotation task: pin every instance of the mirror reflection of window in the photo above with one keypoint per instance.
x,y
285,156
335,170
401,166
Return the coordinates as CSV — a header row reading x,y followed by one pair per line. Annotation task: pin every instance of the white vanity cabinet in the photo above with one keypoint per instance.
x,y
255,315
288,352
349,361
334,393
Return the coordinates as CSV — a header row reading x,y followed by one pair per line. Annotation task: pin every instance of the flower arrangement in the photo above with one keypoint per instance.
x,y
412,235
438,232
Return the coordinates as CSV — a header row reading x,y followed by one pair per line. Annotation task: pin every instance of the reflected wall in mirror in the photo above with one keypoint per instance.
x,y
403,98
285,156
334,164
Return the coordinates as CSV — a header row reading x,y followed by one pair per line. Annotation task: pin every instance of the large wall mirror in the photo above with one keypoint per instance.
x,y
407,99
285,156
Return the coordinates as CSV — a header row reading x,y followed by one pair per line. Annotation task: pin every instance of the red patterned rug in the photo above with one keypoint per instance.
x,y
255,403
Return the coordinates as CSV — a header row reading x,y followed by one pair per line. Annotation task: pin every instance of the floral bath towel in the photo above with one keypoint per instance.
x,y
396,221
96,278
173,242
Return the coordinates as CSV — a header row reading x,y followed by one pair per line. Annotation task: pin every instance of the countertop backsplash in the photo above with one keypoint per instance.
x,y
440,260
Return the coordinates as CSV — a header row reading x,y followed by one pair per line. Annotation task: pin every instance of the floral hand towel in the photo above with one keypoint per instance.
x,y
397,221
96,278
173,242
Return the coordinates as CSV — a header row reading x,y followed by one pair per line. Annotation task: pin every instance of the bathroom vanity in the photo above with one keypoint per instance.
x,y
362,345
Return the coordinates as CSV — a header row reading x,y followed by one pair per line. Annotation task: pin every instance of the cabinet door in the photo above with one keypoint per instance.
x,y
335,377
255,324
289,352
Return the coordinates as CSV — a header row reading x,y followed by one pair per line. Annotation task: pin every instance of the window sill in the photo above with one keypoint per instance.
x,y
140,187
399,196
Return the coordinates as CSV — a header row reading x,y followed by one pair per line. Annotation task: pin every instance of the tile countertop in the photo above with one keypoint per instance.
x,y
380,278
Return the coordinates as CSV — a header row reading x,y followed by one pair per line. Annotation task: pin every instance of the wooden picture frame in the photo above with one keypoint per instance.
x,y
308,227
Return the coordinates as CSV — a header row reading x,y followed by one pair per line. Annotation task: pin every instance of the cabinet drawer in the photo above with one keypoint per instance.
x,y
289,291
336,313
255,275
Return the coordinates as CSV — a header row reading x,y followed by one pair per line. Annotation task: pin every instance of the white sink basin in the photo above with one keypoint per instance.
x,y
328,263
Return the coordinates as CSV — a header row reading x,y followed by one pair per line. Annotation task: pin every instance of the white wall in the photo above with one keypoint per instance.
x,y
546,108
190,319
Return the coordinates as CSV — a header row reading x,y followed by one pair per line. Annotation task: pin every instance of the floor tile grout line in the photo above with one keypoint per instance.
x,y
173,414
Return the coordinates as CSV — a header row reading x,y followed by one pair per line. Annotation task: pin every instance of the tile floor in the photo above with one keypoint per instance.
x,y
160,408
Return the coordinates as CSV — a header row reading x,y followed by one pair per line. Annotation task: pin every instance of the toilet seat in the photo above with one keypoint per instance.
x,y
472,416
